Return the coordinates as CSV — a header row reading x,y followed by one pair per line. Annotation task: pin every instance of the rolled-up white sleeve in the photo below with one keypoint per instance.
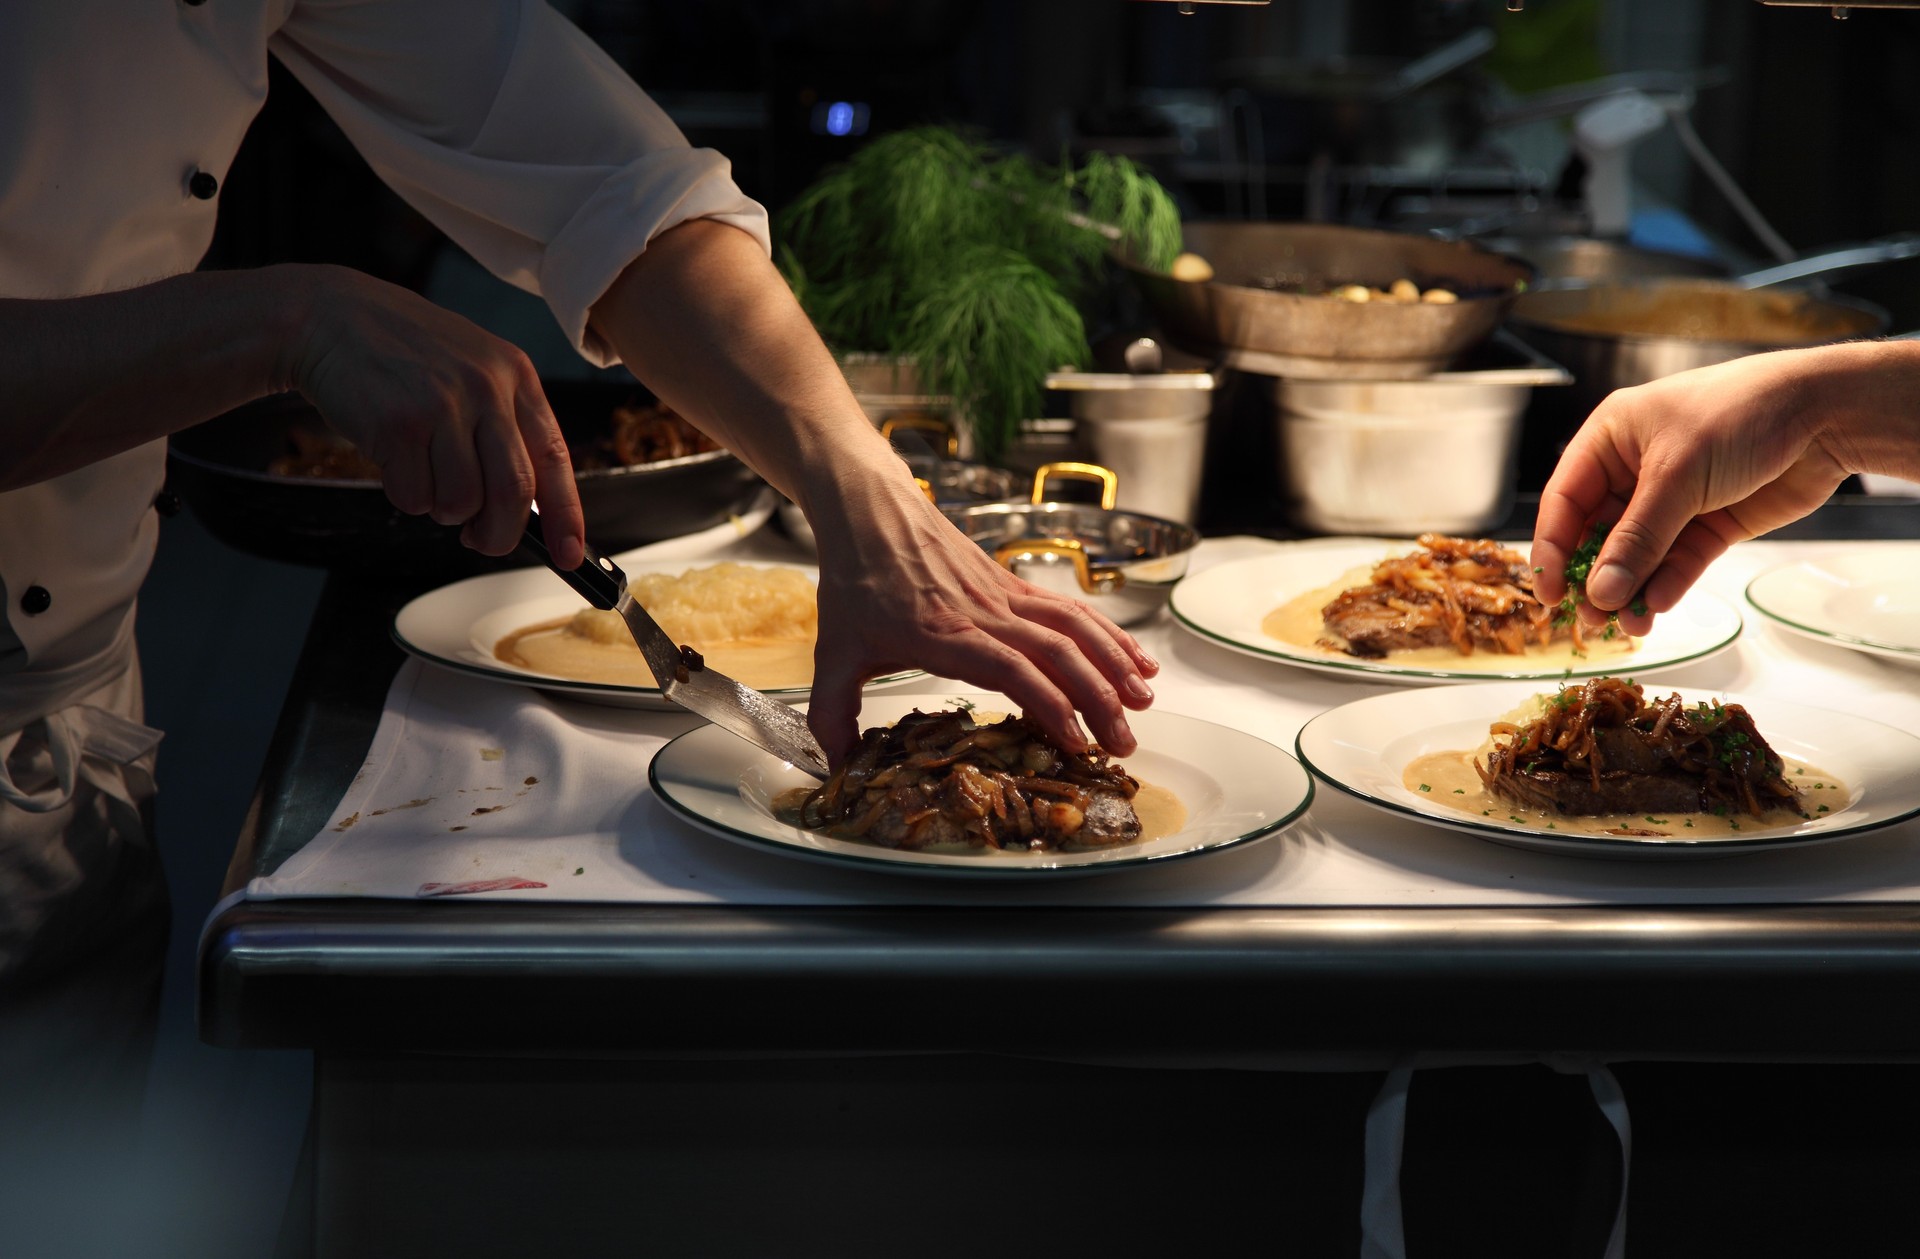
x,y
514,133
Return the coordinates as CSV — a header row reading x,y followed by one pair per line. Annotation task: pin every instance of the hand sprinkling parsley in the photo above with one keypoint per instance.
x,y
1579,566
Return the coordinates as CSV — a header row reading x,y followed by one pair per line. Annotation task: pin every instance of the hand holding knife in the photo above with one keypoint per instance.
x,y
683,676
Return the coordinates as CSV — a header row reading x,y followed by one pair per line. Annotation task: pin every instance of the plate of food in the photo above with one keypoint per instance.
x,y
1607,767
952,785
754,622
1439,609
1867,600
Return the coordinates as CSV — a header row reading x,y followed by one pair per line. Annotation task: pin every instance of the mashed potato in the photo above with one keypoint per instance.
x,y
757,625
722,603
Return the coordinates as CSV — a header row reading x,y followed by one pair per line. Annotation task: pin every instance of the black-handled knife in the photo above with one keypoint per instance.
x,y
683,676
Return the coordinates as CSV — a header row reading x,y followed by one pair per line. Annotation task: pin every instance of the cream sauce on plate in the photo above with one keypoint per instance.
x,y
1298,623
764,664
1449,779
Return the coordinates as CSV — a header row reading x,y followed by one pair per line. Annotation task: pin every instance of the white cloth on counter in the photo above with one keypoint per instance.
x,y
589,829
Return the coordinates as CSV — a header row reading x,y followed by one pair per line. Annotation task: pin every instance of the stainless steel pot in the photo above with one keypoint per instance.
x,y
1120,562
1612,335
1615,335
1264,308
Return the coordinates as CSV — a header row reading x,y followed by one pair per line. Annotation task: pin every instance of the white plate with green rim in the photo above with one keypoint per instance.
x,y
1235,788
1868,600
459,627
1864,780
1228,603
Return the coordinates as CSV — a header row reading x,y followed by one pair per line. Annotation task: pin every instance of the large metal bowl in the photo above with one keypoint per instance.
x,y
219,470
1265,309
1123,563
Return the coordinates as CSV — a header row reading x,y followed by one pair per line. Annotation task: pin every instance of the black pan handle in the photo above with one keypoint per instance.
x,y
598,579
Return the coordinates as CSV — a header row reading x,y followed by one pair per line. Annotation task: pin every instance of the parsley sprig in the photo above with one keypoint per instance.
x,y
1579,566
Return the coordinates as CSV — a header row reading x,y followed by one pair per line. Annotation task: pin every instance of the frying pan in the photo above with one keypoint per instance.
x,y
1263,308
219,470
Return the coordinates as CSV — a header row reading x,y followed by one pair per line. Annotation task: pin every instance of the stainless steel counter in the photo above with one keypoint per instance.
x,y
1353,987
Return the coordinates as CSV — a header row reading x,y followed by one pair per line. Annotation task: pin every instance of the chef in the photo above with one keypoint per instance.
x,y
510,130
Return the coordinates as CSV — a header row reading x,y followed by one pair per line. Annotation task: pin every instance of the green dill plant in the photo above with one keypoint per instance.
x,y
929,246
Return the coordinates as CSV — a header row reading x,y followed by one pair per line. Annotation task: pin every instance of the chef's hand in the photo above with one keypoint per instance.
x,y
454,416
900,588
1687,466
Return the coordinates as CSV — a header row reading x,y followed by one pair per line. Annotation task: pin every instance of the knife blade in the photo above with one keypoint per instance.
x,y
683,676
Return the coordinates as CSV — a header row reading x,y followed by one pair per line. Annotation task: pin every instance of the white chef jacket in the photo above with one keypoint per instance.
x,y
497,119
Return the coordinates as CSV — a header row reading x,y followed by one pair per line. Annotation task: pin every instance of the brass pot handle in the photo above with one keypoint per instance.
x,y
1105,581
1109,483
926,487
922,423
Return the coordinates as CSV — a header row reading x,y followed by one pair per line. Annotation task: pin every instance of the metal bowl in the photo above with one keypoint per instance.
x,y
1264,310
1122,563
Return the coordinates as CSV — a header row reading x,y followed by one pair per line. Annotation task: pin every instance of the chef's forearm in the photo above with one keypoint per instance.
x,y
85,378
1865,398
704,319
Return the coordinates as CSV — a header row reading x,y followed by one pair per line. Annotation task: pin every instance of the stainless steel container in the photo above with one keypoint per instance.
x,y
1150,429
1403,457
1122,563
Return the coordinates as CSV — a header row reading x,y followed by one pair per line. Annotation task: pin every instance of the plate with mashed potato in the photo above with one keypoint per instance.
x,y
755,622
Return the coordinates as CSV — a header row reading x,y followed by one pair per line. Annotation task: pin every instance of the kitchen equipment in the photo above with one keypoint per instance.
x,y
1563,261
1406,457
1122,563
1612,335
1149,427
1630,332
219,470
1267,297
683,676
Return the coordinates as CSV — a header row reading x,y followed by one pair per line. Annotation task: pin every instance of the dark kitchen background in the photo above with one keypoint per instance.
x,y
1239,112
1243,112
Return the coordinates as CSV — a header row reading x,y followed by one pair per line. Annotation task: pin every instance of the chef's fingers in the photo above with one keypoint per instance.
x,y
562,520
1109,650
1572,500
1117,652
1704,540
1073,681
1665,502
833,708
508,472
1009,660
408,480
457,482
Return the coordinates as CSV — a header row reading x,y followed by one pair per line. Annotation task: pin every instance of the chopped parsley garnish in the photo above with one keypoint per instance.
x,y
1657,821
1424,787
1459,791
1579,567
1821,809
